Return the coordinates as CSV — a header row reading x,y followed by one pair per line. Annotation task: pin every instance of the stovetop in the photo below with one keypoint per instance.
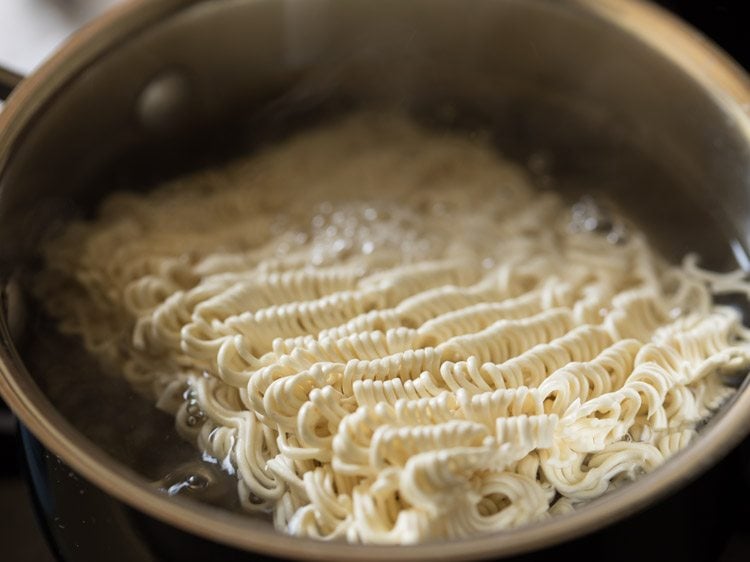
x,y
29,30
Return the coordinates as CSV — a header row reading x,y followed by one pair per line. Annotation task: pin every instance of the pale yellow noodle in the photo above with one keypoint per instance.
x,y
390,337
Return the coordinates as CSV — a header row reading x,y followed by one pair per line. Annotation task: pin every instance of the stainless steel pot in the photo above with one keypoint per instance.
x,y
595,95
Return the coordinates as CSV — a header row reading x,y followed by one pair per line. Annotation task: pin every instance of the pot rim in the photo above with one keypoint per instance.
x,y
705,63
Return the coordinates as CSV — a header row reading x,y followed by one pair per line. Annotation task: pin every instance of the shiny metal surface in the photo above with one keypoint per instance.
x,y
584,81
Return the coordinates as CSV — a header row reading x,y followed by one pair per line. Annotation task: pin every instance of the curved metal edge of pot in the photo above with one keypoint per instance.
x,y
706,63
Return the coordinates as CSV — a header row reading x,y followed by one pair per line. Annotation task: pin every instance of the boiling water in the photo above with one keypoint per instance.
x,y
130,429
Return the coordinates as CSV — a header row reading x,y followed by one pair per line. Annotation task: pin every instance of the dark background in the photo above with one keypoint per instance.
x,y
721,20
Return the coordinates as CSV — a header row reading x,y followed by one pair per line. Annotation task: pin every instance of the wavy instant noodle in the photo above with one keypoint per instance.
x,y
391,337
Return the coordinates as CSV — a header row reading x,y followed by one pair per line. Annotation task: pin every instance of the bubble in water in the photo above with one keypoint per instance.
x,y
190,479
615,237
197,481
254,499
317,258
588,216
339,245
195,414
590,223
